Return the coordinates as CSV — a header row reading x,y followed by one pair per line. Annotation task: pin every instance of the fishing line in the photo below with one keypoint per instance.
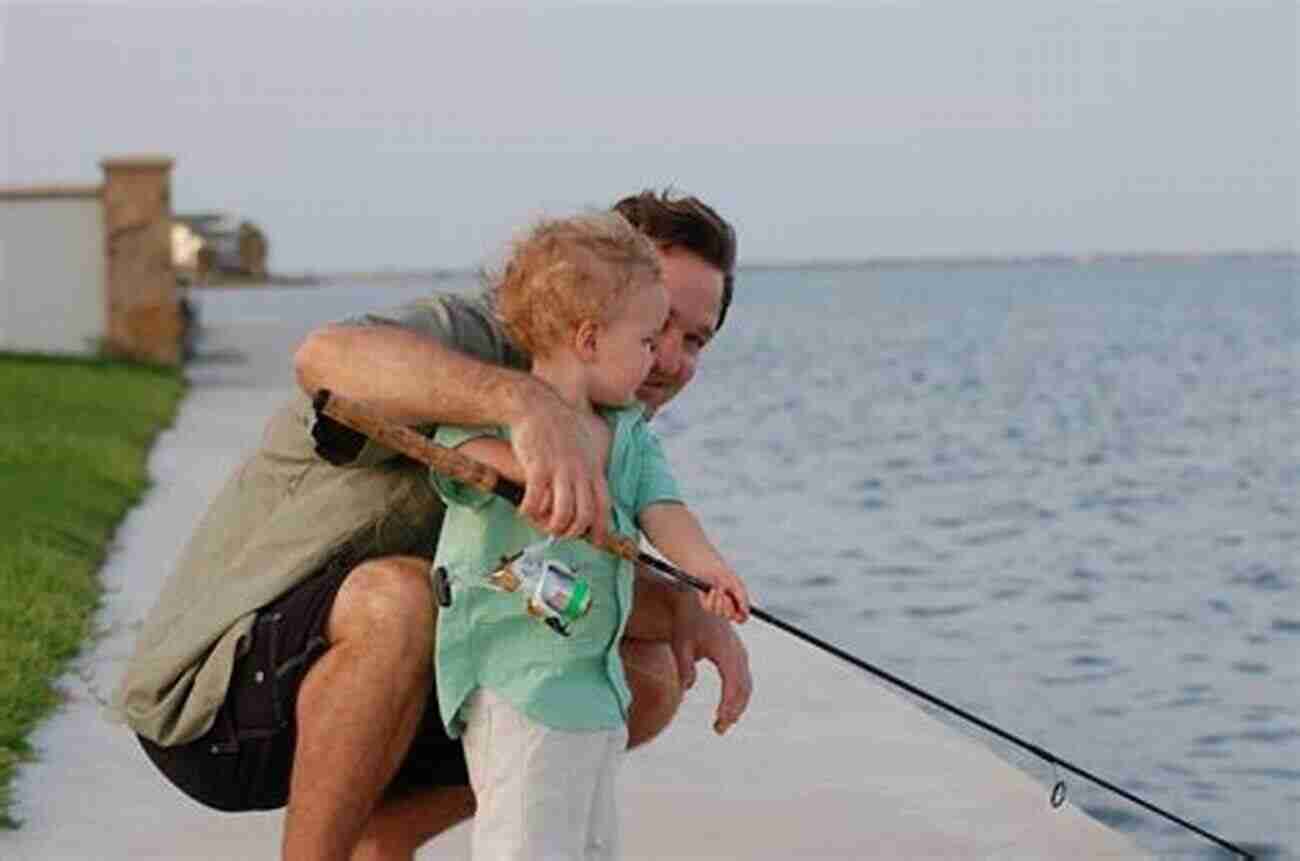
x,y
341,440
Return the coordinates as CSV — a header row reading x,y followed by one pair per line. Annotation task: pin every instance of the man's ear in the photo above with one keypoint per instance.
x,y
585,338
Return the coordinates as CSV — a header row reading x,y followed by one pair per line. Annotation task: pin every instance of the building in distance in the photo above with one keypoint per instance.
x,y
217,244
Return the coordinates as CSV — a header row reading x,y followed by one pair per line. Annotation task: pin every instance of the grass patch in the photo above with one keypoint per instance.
x,y
74,438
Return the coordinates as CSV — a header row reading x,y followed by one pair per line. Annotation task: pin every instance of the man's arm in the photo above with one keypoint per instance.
x,y
414,379
411,378
668,612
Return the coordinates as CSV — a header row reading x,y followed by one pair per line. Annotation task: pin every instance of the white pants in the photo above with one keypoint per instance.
x,y
543,794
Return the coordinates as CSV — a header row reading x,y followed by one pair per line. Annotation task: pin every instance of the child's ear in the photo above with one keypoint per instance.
x,y
585,339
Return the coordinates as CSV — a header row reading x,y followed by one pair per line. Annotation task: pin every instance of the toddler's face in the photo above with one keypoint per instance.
x,y
625,351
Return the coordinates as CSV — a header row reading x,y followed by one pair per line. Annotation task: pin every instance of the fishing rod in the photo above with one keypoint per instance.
x,y
342,438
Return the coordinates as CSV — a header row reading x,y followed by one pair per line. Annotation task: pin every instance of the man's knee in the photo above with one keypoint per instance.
x,y
656,689
390,597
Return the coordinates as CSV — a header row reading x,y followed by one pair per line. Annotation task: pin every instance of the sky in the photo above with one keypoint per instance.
x,y
410,135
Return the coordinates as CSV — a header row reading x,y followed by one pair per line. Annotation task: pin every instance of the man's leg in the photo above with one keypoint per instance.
x,y
656,690
359,705
400,825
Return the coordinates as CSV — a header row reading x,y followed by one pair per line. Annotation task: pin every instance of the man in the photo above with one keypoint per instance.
x,y
288,659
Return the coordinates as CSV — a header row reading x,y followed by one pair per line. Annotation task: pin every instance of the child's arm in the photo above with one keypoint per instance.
x,y
496,453
675,531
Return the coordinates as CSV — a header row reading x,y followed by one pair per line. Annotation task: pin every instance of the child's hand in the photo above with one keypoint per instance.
x,y
728,598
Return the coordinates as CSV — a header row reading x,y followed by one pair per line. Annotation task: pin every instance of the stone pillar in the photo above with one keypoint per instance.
x,y
143,313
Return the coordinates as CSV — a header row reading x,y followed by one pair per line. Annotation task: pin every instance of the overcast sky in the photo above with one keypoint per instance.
x,y
417,135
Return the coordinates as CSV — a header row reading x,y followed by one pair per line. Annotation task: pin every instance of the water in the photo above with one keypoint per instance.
x,y
1063,498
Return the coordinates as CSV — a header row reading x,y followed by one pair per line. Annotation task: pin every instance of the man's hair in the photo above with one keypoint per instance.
x,y
689,223
567,270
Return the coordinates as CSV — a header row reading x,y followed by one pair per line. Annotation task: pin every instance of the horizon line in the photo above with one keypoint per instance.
x,y
882,262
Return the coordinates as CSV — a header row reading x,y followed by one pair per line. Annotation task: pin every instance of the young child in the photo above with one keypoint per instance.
x,y
544,714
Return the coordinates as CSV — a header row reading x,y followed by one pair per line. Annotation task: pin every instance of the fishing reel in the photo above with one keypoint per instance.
x,y
556,595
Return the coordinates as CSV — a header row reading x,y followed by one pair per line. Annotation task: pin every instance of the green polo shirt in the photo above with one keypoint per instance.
x,y
486,639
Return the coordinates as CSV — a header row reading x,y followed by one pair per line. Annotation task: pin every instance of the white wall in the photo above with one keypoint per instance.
x,y
52,270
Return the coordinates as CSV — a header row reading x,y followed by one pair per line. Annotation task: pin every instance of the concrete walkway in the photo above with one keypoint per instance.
x,y
826,764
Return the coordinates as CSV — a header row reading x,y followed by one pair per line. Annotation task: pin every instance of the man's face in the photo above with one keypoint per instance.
x,y
695,298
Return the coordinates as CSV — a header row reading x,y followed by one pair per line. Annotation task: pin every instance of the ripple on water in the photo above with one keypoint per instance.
x,y
1261,714
1269,736
1087,574
894,571
938,612
1251,668
1208,753
1286,626
1212,740
991,537
1110,711
1073,596
1261,576
1193,700
1290,775
1118,818
1077,679
946,522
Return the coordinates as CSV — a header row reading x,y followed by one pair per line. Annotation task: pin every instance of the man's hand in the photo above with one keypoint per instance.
x,y
565,493
696,636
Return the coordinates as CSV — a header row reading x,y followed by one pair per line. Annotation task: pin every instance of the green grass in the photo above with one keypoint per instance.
x,y
74,438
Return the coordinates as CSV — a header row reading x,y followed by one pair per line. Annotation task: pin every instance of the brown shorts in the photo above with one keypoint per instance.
x,y
244,762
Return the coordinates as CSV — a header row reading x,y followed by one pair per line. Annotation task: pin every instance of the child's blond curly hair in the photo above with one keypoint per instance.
x,y
568,270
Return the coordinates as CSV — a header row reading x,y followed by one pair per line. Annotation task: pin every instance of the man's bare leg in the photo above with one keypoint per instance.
x,y
657,692
359,706
399,826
